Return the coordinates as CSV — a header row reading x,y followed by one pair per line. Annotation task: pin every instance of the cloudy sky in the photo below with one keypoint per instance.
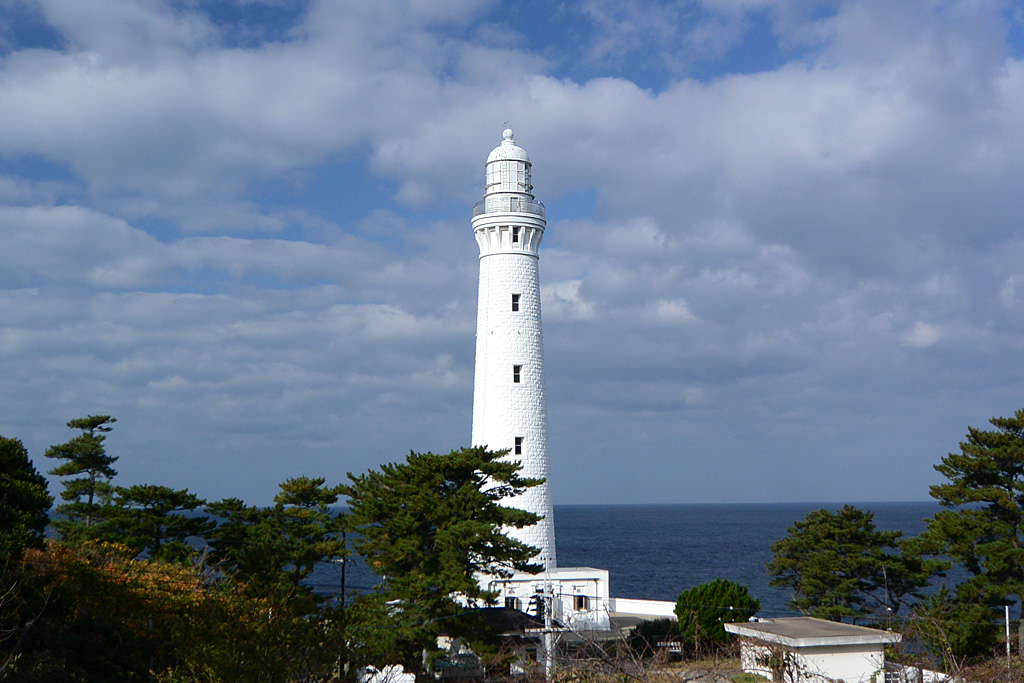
x,y
784,256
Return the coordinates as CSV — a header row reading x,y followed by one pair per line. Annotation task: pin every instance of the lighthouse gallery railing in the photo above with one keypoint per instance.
x,y
508,205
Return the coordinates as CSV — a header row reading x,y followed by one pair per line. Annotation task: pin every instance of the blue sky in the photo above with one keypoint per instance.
x,y
783,259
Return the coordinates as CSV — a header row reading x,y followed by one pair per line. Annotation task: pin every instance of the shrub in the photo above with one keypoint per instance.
x,y
704,610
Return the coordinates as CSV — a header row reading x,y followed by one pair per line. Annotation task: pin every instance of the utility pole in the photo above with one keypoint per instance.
x,y
342,617
888,608
548,633
549,636
344,561
1007,613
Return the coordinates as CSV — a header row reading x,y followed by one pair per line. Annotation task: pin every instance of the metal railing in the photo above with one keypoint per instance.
x,y
508,205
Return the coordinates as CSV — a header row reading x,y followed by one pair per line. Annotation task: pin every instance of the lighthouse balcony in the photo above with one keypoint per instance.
x,y
508,205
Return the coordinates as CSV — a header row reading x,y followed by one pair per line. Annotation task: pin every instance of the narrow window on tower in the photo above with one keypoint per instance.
x,y
517,370
519,446
515,235
515,303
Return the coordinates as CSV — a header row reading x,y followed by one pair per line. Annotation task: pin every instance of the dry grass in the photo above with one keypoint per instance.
x,y
709,670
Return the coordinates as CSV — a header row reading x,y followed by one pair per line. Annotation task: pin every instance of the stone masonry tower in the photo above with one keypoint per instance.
x,y
509,402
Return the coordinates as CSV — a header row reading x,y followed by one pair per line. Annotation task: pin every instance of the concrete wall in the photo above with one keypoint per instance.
x,y
504,409
648,609
849,663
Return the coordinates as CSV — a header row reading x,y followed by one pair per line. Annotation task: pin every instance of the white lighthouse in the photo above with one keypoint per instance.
x,y
509,401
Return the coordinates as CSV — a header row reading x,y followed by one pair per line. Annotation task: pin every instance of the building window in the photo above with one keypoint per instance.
x,y
513,603
581,603
515,303
517,370
515,235
519,446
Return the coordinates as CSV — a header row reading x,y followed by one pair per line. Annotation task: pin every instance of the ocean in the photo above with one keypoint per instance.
x,y
654,552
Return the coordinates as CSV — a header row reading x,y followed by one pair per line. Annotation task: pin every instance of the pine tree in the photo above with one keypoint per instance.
x,y
24,500
983,528
84,455
155,520
303,507
432,525
274,549
839,565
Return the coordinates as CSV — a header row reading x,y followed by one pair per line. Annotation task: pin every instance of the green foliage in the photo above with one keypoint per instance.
x,y
303,510
103,616
24,501
245,542
431,524
744,677
839,565
380,634
232,635
704,610
434,521
982,531
88,626
112,606
955,627
984,528
646,636
274,549
85,495
155,520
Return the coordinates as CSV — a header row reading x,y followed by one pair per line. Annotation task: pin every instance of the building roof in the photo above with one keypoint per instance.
x,y
507,621
508,149
810,632
555,573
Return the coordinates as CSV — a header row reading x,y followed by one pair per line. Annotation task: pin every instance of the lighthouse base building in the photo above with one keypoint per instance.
x,y
509,397
579,599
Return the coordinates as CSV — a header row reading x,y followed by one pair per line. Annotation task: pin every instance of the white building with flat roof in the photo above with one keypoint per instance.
x,y
809,650
579,595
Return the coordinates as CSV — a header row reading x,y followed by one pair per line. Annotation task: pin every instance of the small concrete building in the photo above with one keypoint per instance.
x,y
579,601
804,649
579,595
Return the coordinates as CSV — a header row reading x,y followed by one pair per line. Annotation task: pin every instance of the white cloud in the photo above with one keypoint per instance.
x,y
264,245
922,335
672,311
129,31
638,236
1008,292
561,301
72,244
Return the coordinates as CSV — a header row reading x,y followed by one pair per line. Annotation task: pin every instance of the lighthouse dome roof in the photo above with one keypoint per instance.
x,y
508,149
